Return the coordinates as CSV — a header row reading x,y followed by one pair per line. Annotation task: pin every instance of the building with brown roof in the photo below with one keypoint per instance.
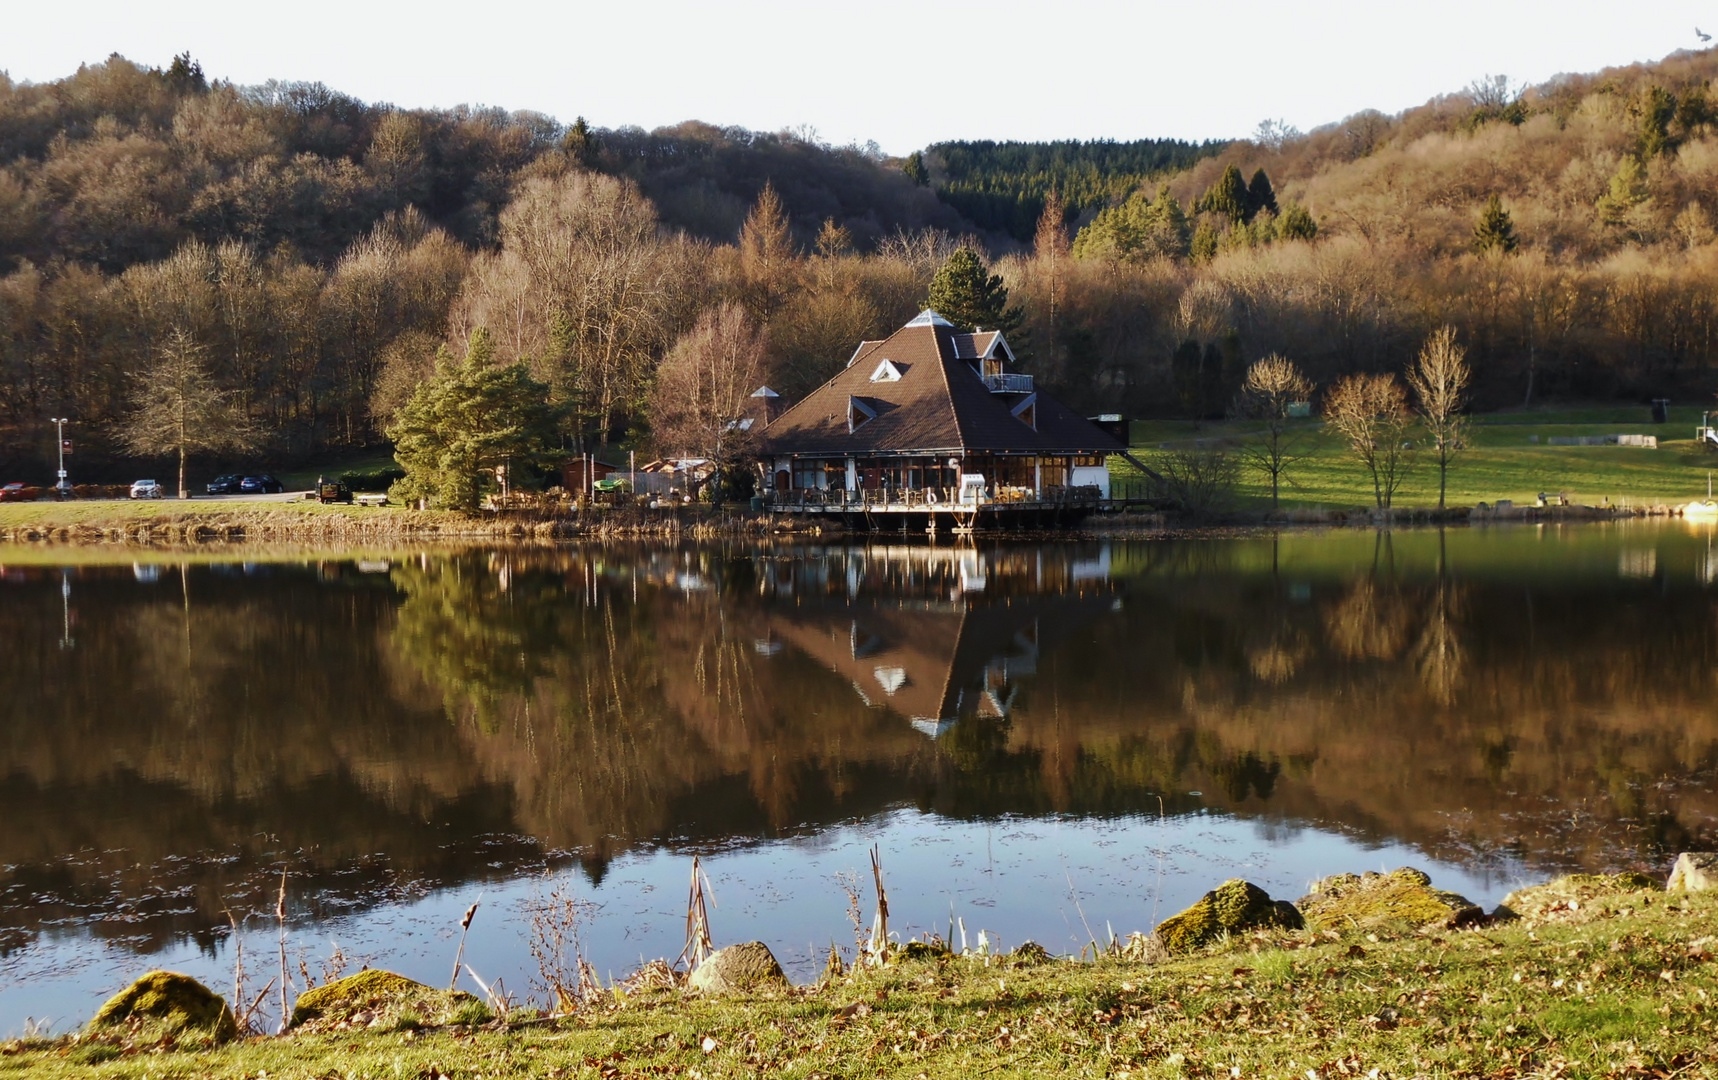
x,y
931,421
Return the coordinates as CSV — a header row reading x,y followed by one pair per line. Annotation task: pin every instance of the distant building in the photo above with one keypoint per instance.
x,y
931,421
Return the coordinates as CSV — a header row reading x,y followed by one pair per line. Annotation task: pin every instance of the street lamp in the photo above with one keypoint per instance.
x,y
60,423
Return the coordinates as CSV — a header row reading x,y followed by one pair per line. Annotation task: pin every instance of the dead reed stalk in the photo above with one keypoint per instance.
x,y
280,918
879,946
459,954
698,943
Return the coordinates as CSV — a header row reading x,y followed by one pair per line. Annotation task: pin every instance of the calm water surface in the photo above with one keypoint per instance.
x,y
1046,741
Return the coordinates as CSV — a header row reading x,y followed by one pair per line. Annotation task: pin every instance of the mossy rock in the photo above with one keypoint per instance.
x,y
376,997
1231,908
168,1003
738,969
911,951
1573,889
1401,898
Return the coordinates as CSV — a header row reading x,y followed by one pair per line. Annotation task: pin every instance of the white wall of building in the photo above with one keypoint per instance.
x,y
1097,476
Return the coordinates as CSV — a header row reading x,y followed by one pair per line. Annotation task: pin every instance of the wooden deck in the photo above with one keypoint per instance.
x,y
909,511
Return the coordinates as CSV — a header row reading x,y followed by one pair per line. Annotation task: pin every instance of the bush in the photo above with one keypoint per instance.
x,y
372,480
1201,480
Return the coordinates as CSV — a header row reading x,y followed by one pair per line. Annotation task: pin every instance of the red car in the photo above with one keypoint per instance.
x,y
18,491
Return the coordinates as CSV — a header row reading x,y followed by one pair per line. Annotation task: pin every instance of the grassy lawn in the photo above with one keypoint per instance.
x,y
114,512
1626,986
1504,461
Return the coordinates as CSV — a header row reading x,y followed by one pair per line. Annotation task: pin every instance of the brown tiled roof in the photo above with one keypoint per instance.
x,y
940,403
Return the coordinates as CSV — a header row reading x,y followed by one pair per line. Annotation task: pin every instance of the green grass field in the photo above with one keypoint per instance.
x,y
1503,462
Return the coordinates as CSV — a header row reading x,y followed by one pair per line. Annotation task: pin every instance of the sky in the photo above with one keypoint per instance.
x,y
904,74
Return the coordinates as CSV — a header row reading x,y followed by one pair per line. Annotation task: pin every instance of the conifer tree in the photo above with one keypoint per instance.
x,y
1627,191
1296,223
1495,231
1261,196
965,294
768,260
1184,369
1228,195
473,416
1204,245
915,169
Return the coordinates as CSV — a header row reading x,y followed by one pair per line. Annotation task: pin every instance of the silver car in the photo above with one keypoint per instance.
x,y
147,489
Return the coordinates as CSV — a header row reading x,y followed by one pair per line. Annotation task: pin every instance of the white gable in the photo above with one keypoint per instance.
x,y
886,372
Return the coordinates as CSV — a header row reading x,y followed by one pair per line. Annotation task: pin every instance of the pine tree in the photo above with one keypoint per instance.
x,y
1260,195
1184,368
579,143
915,169
1627,191
1495,231
1227,196
1204,246
967,296
471,417
1050,246
768,261
1296,223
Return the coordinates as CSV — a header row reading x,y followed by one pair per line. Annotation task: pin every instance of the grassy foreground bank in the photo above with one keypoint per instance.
x,y
1623,984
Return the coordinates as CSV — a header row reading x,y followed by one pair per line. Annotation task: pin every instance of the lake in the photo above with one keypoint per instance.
x,y
1045,741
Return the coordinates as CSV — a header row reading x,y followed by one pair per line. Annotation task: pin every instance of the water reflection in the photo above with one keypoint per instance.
x,y
171,734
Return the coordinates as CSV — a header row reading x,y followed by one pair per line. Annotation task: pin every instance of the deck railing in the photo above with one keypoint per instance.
x,y
1008,383
927,498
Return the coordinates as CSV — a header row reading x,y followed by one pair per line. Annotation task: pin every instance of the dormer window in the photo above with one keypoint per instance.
x,y
1027,411
858,414
886,372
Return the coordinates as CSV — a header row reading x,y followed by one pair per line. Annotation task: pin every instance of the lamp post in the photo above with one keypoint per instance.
x,y
60,423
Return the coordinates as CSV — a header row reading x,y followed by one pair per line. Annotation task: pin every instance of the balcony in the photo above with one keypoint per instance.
x,y
1008,384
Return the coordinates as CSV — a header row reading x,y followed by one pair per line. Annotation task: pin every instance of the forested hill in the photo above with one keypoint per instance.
x,y
120,164
1001,186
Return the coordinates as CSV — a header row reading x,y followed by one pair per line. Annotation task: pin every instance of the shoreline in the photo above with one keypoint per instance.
x,y
135,525
1591,975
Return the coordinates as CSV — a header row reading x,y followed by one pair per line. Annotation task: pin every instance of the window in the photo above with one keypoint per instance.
x,y
858,414
886,372
1027,411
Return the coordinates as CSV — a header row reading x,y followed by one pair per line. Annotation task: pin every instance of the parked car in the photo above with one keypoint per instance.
x,y
225,485
17,491
148,489
261,484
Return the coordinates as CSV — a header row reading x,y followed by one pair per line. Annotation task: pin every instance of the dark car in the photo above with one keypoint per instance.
x,y
261,484
225,485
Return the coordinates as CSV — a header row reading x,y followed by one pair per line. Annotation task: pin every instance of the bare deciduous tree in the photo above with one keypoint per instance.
x,y
1273,384
1371,412
1439,378
178,408
1200,480
704,385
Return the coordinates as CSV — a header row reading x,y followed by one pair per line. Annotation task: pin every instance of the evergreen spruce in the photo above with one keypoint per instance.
x,y
1261,196
1227,196
1184,369
471,417
965,294
915,169
1204,246
1495,231
1296,223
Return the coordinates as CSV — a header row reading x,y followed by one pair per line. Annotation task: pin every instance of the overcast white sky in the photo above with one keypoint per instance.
x,y
903,73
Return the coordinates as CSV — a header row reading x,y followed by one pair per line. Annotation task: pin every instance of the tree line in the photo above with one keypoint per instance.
x,y
325,259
